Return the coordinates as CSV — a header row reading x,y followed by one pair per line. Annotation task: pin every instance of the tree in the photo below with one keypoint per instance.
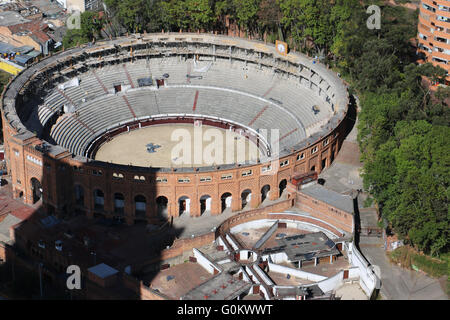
x,y
90,25
420,211
200,15
133,14
247,14
269,17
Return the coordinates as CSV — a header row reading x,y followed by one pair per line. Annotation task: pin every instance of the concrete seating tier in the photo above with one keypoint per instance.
x,y
246,94
76,130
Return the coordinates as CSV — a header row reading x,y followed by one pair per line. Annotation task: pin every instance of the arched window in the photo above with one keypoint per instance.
x,y
36,187
99,199
246,196
184,204
282,186
140,204
205,204
225,200
265,192
79,195
161,203
119,203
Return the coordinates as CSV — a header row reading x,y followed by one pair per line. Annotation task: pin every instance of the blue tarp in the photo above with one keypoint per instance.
x,y
7,48
23,59
49,221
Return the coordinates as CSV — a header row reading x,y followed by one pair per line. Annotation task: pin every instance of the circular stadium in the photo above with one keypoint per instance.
x,y
160,125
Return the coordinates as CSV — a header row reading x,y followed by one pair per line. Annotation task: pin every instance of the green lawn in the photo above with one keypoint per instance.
x,y
4,78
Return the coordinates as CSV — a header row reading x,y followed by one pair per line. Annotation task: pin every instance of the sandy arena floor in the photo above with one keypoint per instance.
x,y
179,147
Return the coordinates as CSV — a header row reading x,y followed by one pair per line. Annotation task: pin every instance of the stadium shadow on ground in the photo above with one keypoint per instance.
x,y
50,240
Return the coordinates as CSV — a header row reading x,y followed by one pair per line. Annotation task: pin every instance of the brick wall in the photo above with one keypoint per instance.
x,y
2,252
148,294
321,210
59,192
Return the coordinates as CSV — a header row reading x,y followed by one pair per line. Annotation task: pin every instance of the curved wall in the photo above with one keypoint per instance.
x,y
60,172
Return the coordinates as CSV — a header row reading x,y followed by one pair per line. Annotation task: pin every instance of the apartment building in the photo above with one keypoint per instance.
x,y
434,32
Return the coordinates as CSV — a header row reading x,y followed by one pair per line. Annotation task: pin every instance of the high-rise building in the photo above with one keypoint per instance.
x,y
434,32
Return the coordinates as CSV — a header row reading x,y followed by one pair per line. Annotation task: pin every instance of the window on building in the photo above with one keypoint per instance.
x,y
429,8
97,172
284,163
117,175
247,173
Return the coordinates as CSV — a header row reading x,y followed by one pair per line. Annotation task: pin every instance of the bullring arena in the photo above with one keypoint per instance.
x,y
88,132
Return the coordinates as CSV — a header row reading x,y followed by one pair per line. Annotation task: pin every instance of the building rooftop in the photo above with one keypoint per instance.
x,y
10,18
221,287
177,280
6,48
304,246
309,291
48,8
340,201
103,270
23,58
5,224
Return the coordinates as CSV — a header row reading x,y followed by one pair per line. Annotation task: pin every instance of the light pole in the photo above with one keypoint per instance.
x,y
95,257
40,277
13,273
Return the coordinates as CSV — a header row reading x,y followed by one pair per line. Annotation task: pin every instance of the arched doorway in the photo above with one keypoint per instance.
x,y
161,205
119,203
324,163
99,199
265,192
79,195
225,201
36,188
140,205
282,186
184,205
246,197
205,204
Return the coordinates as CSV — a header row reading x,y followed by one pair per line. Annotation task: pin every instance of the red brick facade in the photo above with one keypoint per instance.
x,y
55,175
59,175
325,211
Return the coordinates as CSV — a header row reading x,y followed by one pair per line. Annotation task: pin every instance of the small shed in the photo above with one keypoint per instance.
x,y
103,275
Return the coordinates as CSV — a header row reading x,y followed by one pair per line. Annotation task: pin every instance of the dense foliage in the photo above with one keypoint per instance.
x,y
403,127
91,24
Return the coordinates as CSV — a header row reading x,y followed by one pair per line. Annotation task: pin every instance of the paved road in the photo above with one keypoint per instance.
x,y
402,284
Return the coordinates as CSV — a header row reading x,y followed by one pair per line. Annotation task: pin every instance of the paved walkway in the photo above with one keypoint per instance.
x,y
402,284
